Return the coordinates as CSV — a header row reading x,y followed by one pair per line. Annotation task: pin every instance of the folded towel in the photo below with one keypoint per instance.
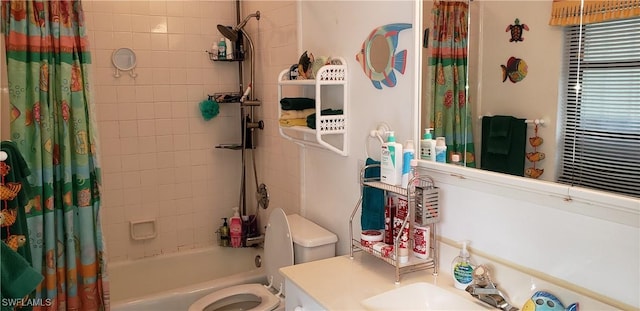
x,y
499,140
17,276
495,159
296,114
297,103
293,122
372,217
311,119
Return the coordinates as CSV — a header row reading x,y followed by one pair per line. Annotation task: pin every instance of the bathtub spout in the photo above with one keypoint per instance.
x,y
255,241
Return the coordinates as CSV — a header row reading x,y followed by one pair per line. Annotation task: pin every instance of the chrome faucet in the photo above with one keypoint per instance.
x,y
487,291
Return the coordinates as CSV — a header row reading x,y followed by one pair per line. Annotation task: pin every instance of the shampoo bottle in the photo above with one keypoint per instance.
x,y
441,150
407,156
224,233
427,146
391,161
222,49
462,268
235,229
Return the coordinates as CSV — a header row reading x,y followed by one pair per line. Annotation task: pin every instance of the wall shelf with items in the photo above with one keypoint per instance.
x,y
330,91
423,209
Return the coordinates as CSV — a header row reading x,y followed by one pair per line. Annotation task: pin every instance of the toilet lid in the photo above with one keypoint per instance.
x,y
278,247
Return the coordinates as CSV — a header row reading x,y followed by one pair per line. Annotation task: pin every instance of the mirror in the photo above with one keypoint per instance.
x,y
379,56
535,98
124,59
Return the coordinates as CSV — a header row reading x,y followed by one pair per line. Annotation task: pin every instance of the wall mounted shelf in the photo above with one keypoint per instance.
x,y
331,130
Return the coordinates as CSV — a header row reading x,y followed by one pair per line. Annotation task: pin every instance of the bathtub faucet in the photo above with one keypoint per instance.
x,y
487,291
255,241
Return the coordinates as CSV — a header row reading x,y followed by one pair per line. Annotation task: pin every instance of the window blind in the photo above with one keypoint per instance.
x,y
600,114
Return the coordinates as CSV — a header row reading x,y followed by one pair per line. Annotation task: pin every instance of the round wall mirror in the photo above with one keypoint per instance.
x,y
124,59
379,54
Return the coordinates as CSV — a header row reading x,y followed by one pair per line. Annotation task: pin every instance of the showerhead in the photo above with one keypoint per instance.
x,y
231,33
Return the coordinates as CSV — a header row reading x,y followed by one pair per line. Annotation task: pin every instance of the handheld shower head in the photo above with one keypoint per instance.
x,y
231,33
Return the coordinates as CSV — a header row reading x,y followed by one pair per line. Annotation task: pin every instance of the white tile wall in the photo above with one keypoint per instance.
x,y
158,156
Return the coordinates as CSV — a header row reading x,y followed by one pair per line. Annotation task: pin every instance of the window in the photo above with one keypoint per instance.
x,y
600,129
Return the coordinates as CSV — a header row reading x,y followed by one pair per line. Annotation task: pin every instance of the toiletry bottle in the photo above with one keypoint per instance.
x,y
427,146
455,159
441,150
222,49
224,233
391,161
389,214
235,229
229,50
462,268
407,156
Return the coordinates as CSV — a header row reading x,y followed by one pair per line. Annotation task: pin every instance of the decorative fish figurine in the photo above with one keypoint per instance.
x,y
8,217
535,141
515,70
516,31
15,241
534,172
535,156
544,301
396,61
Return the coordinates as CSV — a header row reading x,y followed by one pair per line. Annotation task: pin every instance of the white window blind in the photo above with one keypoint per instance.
x,y
600,128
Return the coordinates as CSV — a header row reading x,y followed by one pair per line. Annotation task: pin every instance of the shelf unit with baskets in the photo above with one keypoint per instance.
x,y
329,88
422,196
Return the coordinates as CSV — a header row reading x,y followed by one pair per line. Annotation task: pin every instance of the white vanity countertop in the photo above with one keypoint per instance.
x,y
341,283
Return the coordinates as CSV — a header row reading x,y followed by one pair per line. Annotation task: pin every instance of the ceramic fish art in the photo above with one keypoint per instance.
x,y
534,172
535,156
515,70
396,61
15,241
544,301
516,31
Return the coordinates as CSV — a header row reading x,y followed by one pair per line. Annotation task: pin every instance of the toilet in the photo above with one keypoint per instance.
x,y
288,240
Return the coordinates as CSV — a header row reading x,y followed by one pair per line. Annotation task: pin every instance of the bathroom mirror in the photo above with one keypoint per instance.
x,y
124,59
535,97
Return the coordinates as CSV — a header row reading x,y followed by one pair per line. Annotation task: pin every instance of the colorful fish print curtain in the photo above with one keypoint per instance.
x,y
450,113
53,126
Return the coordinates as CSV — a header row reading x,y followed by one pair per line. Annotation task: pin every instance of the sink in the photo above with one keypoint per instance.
x,y
420,296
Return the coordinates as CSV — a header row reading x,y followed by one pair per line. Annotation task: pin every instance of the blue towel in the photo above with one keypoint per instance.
x,y
372,217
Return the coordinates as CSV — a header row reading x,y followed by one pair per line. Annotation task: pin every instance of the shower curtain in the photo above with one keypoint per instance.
x,y
52,124
450,112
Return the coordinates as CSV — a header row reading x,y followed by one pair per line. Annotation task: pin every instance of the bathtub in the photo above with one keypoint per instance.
x,y
175,281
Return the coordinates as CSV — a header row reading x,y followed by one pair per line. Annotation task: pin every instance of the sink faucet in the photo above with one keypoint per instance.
x,y
487,291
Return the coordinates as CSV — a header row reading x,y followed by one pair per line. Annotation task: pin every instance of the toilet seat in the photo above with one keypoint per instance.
x,y
269,301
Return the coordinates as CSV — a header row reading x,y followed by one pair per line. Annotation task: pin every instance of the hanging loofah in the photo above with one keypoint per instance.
x,y
209,108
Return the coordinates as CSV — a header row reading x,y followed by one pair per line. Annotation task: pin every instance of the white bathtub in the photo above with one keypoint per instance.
x,y
175,281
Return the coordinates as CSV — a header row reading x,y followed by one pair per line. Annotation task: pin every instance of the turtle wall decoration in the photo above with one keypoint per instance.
x,y
516,30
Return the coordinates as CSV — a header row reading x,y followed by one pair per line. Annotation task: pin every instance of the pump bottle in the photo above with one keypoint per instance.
x,y
235,229
441,150
462,268
391,161
224,233
427,146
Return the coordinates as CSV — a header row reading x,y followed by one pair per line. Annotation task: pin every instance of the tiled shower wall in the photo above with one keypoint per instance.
x,y
158,155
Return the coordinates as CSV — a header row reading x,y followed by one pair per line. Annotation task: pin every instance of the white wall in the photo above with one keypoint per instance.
x,y
543,236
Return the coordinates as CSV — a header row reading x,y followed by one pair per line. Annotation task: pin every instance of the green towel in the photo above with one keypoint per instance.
x,y
311,119
372,217
297,103
513,161
17,277
499,140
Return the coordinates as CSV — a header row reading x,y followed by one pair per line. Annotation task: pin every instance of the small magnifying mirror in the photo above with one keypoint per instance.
x,y
124,59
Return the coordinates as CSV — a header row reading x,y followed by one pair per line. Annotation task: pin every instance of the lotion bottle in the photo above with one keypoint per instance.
x,y
441,150
391,161
407,156
427,146
462,268
235,229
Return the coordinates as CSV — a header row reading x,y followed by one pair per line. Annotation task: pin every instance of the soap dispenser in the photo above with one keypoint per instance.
x,y
224,233
235,229
462,268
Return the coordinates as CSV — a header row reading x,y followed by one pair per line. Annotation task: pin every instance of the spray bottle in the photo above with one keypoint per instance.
x,y
462,268
235,229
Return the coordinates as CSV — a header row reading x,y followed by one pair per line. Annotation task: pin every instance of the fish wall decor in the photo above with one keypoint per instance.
x,y
383,75
515,70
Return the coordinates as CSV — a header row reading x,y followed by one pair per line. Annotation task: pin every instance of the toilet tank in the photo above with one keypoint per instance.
x,y
310,241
